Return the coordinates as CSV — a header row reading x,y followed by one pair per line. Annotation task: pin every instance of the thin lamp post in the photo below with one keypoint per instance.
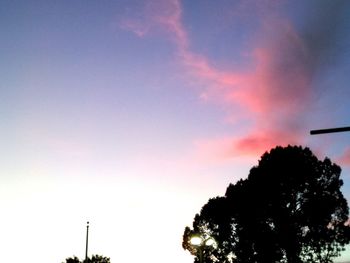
x,y
201,243
331,130
87,242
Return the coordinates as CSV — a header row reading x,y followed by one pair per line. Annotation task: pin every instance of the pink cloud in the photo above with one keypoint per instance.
x,y
170,18
261,86
344,159
256,142
272,94
137,27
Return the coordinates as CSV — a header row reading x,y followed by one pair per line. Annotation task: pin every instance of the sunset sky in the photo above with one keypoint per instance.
x,y
131,114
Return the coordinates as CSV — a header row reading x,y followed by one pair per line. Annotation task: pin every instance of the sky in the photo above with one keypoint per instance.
x,y
131,114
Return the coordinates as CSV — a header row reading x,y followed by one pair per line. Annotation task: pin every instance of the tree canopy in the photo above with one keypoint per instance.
x,y
93,259
289,209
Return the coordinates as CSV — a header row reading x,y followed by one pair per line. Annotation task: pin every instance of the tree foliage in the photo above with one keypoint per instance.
x,y
93,259
74,259
289,209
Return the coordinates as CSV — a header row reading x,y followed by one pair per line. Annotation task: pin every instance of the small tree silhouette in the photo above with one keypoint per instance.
x,y
93,259
74,259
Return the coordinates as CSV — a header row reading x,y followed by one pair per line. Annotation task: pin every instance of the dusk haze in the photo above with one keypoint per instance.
x,y
131,114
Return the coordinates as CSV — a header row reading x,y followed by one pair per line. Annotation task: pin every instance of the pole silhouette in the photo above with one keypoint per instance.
x,y
331,130
87,242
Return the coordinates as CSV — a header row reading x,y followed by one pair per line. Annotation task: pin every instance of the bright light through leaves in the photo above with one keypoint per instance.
x,y
196,241
210,242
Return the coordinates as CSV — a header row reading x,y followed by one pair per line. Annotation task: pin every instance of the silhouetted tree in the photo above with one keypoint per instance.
x,y
74,259
289,209
93,259
212,222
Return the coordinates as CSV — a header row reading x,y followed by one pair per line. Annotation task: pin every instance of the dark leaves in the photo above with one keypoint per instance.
x,y
289,209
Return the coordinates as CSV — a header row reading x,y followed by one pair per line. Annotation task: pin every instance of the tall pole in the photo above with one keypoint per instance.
x,y
87,242
331,130
201,247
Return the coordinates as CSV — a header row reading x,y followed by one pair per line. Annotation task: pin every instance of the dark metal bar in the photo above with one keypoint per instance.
x,y
322,131
87,242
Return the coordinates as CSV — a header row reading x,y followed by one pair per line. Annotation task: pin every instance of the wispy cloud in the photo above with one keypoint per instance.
x,y
137,27
344,159
273,93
